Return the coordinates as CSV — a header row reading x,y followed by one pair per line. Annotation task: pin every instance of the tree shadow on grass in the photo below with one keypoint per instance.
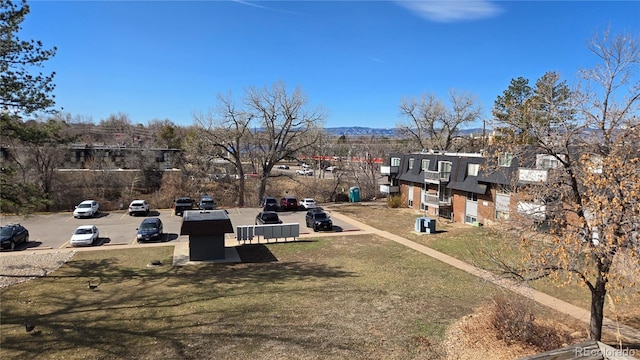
x,y
135,305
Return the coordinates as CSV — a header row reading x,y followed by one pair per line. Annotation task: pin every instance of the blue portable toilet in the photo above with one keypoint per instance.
x,y
354,194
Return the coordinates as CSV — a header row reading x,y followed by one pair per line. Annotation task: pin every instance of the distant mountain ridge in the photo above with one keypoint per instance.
x,y
381,132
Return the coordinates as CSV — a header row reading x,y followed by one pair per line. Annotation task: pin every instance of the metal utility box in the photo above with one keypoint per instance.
x,y
425,225
206,230
354,194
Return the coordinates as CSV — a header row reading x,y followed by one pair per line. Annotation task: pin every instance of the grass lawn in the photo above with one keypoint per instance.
x,y
471,244
356,297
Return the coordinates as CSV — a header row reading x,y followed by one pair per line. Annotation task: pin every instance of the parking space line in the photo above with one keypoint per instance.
x,y
65,245
134,241
122,217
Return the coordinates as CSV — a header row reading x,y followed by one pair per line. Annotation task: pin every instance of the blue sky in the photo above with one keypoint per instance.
x,y
356,59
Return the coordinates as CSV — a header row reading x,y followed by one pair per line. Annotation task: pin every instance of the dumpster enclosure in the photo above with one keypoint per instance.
x,y
206,230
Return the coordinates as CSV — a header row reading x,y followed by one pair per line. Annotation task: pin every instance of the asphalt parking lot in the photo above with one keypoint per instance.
x,y
52,231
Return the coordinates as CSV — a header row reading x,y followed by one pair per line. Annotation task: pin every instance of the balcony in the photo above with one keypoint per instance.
x,y
532,176
389,170
436,200
389,189
436,177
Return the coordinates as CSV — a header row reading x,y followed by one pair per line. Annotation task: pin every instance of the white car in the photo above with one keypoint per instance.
x,y
85,235
139,207
87,208
305,172
307,203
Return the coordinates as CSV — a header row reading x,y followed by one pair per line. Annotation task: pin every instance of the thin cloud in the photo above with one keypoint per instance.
x,y
243,2
451,10
375,59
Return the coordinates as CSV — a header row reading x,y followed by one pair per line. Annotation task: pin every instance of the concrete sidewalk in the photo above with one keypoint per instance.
x,y
626,332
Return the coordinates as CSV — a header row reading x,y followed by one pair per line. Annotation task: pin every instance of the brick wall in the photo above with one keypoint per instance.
x,y
486,207
458,199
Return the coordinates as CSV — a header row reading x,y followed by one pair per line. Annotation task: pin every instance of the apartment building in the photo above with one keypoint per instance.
x,y
452,185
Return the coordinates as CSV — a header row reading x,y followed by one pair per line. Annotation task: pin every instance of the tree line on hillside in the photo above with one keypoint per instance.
x,y
591,201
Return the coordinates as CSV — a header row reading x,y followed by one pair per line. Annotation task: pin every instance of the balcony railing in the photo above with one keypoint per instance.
x,y
436,200
389,189
533,175
389,170
436,176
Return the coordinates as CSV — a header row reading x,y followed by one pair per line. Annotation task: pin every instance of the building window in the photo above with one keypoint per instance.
x,y
425,164
548,163
505,159
410,196
470,219
395,161
472,169
472,197
411,163
502,215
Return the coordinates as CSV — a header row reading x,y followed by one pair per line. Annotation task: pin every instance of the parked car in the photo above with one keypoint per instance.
x,y
304,172
13,234
206,203
269,204
283,167
307,203
181,204
330,168
87,208
150,229
289,203
85,235
139,207
318,220
267,217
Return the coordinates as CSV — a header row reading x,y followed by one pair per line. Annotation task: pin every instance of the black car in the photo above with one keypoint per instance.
x,y
13,234
269,204
207,203
150,229
268,217
318,220
182,203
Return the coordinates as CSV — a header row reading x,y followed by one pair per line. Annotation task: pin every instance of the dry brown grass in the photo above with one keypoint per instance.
x,y
472,244
356,297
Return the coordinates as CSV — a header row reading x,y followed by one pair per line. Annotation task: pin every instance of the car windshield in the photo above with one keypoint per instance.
x,y
148,226
84,205
207,202
137,204
269,217
83,231
7,231
270,201
320,216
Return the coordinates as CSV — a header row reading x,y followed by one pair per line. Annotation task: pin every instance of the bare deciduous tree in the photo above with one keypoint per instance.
x,y
225,136
284,126
590,201
430,124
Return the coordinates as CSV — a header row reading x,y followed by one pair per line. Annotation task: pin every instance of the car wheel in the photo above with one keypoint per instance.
x,y
12,246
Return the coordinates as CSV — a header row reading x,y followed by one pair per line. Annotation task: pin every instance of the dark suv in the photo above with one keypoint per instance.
x,y
207,203
182,203
318,220
268,217
289,203
13,234
269,204
150,229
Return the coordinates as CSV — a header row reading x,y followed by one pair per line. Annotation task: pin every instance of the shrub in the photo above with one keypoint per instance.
x,y
394,201
515,322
